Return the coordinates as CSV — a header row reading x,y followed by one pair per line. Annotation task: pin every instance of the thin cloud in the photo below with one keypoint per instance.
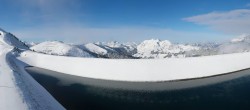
x,y
248,5
77,34
47,11
232,22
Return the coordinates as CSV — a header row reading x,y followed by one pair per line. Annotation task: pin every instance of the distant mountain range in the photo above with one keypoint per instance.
x,y
148,49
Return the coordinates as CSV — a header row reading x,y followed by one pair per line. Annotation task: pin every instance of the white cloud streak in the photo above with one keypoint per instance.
x,y
231,22
77,34
248,5
47,11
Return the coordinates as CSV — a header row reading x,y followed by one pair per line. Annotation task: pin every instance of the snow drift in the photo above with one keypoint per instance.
x,y
140,69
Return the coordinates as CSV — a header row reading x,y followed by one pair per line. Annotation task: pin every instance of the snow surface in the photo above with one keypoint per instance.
x,y
140,69
18,90
10,98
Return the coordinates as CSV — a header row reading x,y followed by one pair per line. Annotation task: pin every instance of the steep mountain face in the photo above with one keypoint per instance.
x,y
12,40
155,48
128,48
112,49
59,48
95,49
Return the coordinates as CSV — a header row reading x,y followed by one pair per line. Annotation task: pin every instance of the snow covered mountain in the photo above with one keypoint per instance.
x,y
236,45
98,50
127,48
146,49
155,48
10,39
119,50
59,48
94,48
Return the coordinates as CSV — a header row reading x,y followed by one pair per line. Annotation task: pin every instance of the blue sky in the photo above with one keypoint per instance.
x,y
125,20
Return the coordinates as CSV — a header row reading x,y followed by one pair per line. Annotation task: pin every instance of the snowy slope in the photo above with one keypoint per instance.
x,y
10,97
109,50
11,40
118,50
59,48
95,49
128,47
18,91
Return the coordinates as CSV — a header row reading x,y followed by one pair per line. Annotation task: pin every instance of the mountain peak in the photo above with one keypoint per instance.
x,y
11,40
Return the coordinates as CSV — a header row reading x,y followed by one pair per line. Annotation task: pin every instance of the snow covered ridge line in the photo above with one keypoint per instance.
x,y
11,40
59,48
20,91
146,69
147,49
